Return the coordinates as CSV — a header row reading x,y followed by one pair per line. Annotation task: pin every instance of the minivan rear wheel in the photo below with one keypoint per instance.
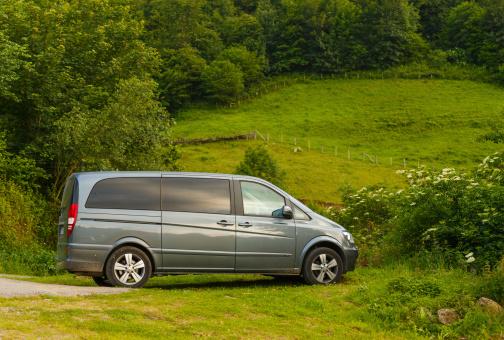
x,y
322,266
128,267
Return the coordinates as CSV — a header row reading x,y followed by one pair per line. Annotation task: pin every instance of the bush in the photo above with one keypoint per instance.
x,y
258,162
223,80
458,215
28,259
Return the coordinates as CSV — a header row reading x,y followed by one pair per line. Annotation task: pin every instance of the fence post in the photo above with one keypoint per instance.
x,y
255,134
294,140
375,159
418,164
322,148
404,162
363,156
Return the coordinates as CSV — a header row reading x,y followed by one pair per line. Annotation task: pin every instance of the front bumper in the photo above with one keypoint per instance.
x,y
351,259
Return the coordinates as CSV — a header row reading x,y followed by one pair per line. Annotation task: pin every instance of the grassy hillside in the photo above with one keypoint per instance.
x,y
427,121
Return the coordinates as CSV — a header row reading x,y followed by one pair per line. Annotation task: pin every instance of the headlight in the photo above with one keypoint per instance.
x,y
348,236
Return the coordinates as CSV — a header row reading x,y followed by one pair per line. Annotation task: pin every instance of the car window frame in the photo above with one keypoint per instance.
x,y
86,206
239,198
231,195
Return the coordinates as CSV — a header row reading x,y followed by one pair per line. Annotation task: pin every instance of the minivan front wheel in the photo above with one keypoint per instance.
x,y
322,266
128,267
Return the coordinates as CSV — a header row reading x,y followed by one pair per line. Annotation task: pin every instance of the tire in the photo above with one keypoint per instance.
x,y
102,282
128,267
322,266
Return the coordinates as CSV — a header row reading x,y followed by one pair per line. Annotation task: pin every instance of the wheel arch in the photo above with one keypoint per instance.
x,y
131,242
320,242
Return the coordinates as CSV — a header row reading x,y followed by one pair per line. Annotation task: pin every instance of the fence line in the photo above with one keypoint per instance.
x,y
256,134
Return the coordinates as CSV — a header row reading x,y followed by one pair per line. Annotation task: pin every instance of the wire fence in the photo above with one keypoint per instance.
x,y
329,150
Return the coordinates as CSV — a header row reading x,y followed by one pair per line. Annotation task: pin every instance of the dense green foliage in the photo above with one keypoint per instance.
x,y
260,163
459,215
76,94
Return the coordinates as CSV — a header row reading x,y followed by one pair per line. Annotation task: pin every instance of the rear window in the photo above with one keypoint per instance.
x,y
126,193
200,195
70,194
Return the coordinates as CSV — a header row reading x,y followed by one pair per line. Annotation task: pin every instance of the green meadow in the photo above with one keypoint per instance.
x,y
434,123
370,303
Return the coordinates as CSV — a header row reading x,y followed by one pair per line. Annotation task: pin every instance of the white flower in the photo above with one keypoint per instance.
x,y
413,203
471,259
400,191
469,255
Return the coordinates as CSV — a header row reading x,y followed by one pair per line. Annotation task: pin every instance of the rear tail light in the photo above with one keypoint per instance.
x,y
72,218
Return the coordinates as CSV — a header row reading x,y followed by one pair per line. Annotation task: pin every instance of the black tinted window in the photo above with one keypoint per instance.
x,y
202,195
126,193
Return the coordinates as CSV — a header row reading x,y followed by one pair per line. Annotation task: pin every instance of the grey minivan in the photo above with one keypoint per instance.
x,y
122,228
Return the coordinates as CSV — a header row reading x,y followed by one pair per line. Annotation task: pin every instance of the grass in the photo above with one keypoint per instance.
x,y
361,306
310,175
431,122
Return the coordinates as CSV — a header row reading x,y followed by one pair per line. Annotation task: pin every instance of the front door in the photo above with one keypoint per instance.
x,y
265,240
198,224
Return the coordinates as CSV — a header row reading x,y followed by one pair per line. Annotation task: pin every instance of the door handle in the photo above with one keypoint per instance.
x,y
224,223
245,225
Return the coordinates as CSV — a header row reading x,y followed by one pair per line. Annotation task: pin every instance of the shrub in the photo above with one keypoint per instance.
x,y
444,212
260,163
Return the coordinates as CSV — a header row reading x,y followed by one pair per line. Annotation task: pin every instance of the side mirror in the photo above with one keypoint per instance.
x,y
287,212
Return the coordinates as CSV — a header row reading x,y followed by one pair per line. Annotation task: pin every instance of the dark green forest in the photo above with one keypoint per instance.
x,y
94,85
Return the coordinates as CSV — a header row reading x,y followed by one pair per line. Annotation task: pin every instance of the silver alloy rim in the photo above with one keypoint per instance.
x,y
324,268
129,269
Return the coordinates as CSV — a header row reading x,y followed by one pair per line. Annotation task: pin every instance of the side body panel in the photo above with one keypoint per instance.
x,y
199,242
263,244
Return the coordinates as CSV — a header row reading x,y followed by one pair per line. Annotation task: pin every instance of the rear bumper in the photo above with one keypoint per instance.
x,y
73,266
82,259
351,259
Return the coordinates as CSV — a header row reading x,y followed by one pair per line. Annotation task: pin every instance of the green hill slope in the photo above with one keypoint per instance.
x,y
427,121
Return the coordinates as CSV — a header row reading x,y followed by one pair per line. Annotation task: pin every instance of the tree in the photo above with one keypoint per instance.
x,y
223,80
463,30
249,64
130,133
260,163
80,64
246,31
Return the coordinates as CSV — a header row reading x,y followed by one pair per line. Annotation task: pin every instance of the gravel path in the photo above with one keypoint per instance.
x,y
11,288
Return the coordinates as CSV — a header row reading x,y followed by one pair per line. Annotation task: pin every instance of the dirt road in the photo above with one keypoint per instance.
x,y
11,288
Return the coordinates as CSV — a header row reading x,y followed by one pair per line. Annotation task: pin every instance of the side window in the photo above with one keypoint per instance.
x,y
199,195
299,214
259,200
126,193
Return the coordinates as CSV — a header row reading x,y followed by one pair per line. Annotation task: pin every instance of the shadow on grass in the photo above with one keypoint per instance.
x,y
209,282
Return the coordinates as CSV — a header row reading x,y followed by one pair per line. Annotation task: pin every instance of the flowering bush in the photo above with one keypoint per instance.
x,y
439,210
